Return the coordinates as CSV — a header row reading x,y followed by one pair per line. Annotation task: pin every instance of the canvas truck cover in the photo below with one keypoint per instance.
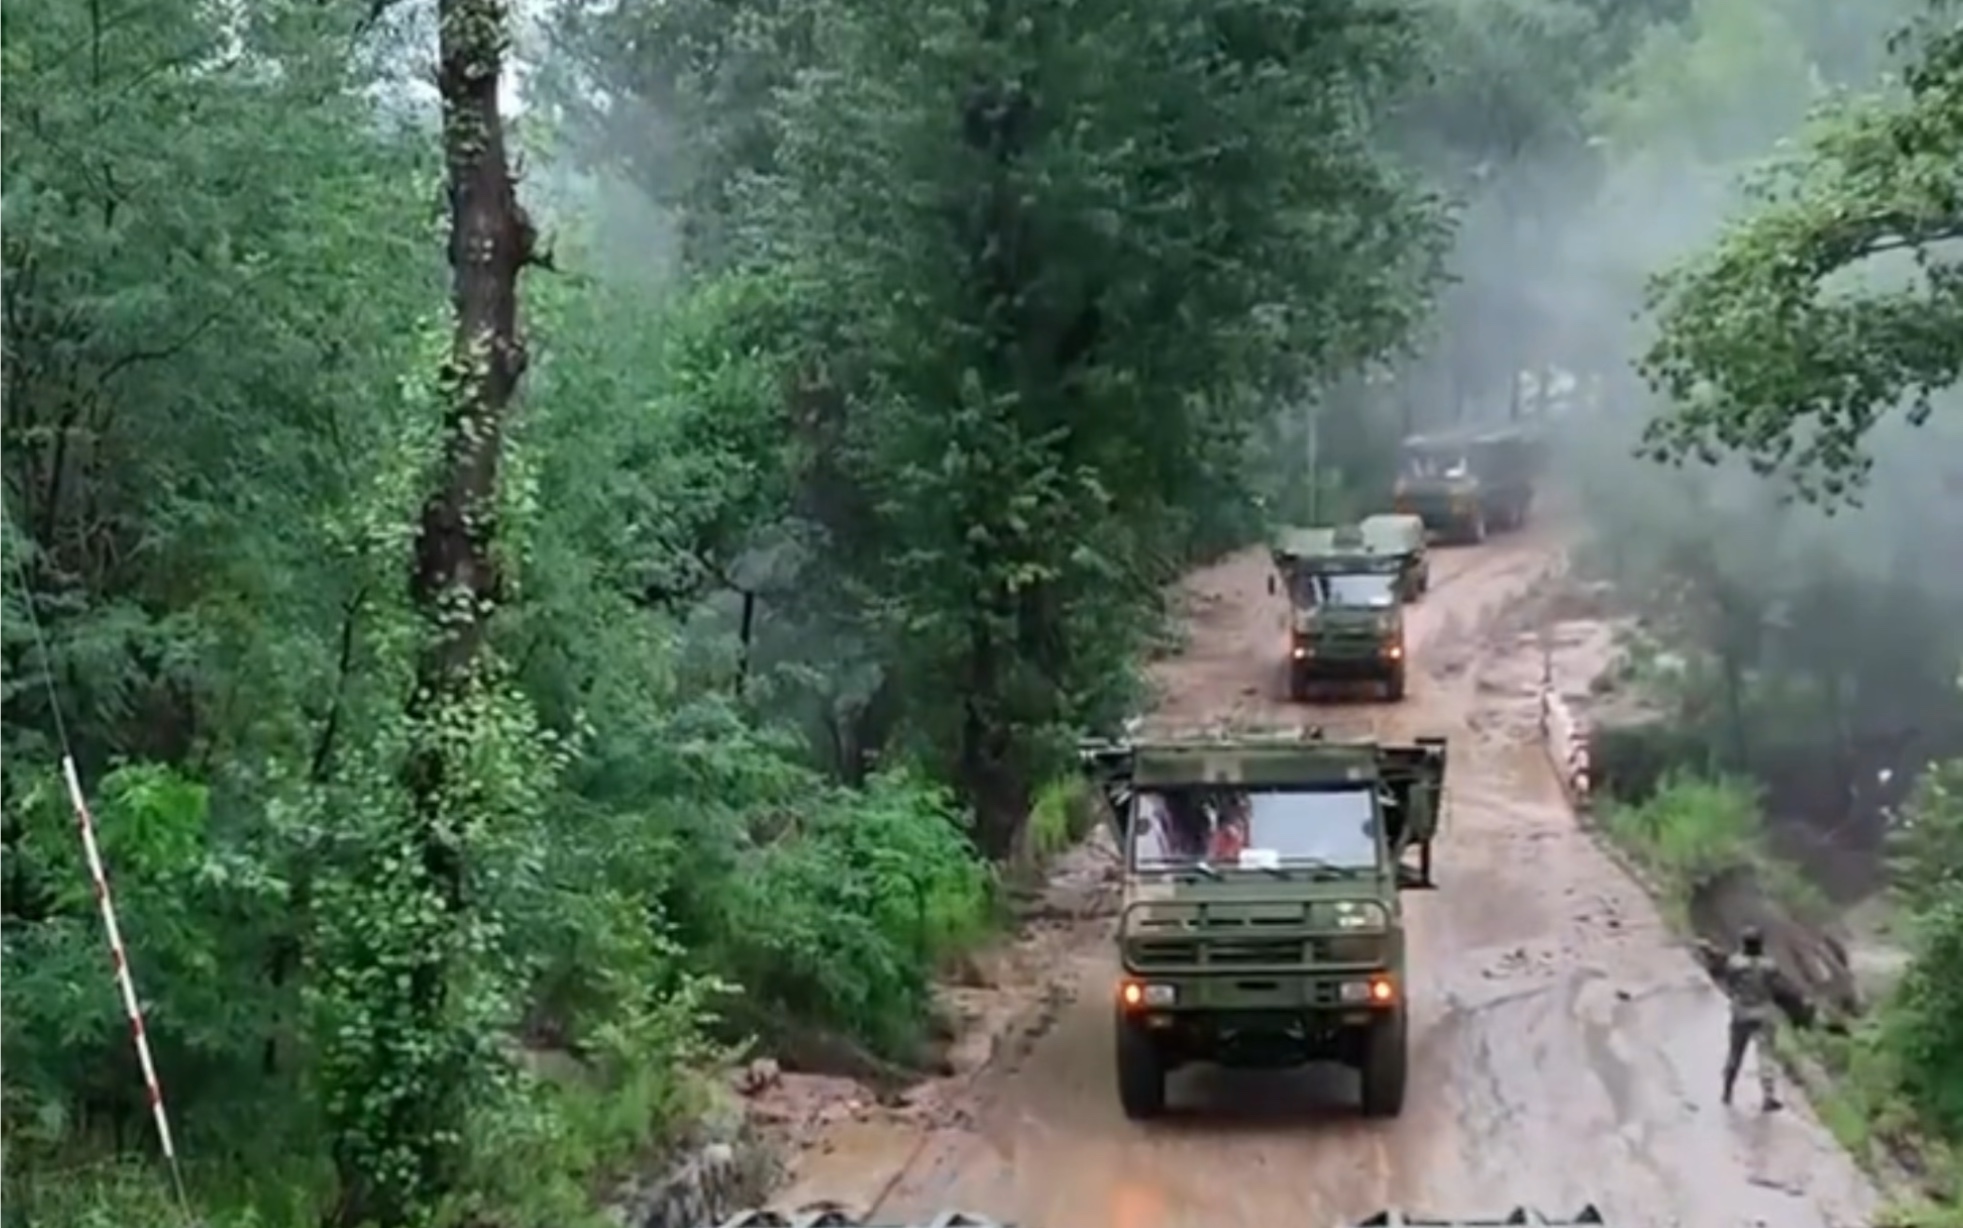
x,y
1394,533
1412,775
1517,448
1346,550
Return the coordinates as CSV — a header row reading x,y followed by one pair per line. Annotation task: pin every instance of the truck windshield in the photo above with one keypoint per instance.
x,y
1333,828
1371,590
1436,463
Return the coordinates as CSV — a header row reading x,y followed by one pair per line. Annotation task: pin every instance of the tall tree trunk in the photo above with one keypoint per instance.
x,y
455,582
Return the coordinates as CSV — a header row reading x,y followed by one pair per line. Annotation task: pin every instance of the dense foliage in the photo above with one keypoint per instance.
x,y
1839,296
893,356
434,904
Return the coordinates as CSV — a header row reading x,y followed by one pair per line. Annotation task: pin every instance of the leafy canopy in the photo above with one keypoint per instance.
x,y
1838,296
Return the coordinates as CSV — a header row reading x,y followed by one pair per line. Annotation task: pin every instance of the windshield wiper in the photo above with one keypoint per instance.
x,y
1199,867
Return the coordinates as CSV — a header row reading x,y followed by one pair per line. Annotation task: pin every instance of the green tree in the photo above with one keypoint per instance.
x,y
1068,253
1833,300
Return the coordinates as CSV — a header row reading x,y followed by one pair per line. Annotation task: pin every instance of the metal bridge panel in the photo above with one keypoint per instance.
x,y
839,1217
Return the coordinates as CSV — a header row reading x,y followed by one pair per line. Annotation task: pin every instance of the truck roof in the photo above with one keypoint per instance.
x,y
1393,532
1464,436
1277,756
1348,548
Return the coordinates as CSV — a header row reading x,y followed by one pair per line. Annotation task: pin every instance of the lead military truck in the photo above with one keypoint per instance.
x,y
1261,924
1346,618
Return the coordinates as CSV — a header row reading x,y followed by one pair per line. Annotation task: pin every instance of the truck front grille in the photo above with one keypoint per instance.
x,y
1226,955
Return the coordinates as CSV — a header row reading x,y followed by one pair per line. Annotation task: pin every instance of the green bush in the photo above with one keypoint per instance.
x,y
843,919
1691,828
1922,1024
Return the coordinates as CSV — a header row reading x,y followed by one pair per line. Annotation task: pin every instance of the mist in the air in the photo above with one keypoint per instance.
x,y
1832,636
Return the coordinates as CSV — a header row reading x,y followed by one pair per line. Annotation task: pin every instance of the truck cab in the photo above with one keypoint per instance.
x,y
1261,923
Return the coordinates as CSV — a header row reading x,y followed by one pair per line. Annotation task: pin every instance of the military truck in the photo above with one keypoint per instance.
x,y
1401,536
1261,924
1345,619
1465,484
830,1215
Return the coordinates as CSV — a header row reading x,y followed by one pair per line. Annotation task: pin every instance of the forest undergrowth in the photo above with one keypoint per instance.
x,y
543,595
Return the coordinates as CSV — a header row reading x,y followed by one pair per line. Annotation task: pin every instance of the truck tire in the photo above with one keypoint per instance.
x,y
1386,1059
1298,685
1141,1073
1394,686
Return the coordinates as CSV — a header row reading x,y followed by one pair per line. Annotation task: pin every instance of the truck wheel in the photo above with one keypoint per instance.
x,y
1394,687
1141,1073
1298,686
1385,1059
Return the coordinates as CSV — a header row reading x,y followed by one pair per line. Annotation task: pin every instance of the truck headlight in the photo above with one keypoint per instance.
x,y
1160,995
1377,991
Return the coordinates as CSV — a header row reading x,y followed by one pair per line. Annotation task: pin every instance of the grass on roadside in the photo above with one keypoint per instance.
x,y
1694,829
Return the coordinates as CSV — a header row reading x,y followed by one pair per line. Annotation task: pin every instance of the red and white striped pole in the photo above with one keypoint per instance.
x,y
127,986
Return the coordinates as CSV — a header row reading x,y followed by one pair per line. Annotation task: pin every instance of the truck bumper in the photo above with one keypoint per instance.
x,y
1375,666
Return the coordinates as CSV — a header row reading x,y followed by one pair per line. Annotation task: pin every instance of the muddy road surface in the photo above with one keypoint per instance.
x,y
1565,1049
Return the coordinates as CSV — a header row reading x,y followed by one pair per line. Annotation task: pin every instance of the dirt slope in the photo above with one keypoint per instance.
x,y
1565,1049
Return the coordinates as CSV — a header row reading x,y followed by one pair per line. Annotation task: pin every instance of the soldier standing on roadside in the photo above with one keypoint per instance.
x,y
1756,986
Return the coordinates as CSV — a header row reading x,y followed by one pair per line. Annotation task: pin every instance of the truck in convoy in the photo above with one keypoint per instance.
x,y
1402,537
1467,483
1345,616
1261,923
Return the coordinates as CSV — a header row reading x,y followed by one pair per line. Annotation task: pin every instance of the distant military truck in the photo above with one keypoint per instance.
x,y
1466,484
1402,537
1346,621
1261,925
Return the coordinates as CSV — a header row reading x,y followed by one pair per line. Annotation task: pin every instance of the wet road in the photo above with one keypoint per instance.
x,y
1565,1050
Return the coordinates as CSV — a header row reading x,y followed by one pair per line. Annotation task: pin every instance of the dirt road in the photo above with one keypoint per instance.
x,y
1565,1049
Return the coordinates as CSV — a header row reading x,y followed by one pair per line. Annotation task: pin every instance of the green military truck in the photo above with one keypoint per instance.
x,y
1402,537
1465,484
1345,619
1261,924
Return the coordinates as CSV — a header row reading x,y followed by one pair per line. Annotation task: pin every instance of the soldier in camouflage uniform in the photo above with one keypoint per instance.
x,y
1756,986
